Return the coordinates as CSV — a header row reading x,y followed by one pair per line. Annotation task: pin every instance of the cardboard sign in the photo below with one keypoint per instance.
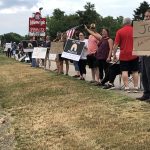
x,y
73,49
141,35
39,52
56,47
52,56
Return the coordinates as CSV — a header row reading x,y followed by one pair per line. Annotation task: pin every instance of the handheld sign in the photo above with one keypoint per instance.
x,y
28,46
39,52
141,35
56,47
73,49
7,45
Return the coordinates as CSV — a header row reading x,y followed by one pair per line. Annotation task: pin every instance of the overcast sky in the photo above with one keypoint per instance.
x,y
14,14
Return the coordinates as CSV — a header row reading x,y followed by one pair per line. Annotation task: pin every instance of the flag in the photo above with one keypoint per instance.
x,y
71,31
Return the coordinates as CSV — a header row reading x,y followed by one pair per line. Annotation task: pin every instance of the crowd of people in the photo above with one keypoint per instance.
x,y
13,49
106,58
101,55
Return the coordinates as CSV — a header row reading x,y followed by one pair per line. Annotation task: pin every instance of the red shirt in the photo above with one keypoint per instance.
x,y
124,38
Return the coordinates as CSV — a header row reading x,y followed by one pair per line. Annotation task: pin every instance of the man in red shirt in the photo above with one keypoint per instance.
x,y
128,62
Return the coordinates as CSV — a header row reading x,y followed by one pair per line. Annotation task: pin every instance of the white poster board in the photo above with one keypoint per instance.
x,y
26,50
73,49
8,45
39,52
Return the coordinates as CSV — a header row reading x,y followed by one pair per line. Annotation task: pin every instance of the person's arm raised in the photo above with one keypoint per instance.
x,y
96,35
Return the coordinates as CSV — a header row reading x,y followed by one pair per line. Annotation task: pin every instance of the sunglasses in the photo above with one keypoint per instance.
x,y
81,35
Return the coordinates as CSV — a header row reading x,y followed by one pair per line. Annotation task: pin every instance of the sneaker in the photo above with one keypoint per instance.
x,y
55,70
92,81
109,86
81,78
135,90
61,73
76,76
143,98
127,89
97,83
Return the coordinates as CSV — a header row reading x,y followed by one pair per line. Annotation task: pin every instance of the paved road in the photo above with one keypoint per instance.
x,y
117,82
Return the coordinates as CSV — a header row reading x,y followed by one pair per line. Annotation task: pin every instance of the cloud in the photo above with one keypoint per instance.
x,y
14,6
16,3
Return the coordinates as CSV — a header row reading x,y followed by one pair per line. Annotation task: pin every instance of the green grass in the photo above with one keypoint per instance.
x,y
55,112
1,49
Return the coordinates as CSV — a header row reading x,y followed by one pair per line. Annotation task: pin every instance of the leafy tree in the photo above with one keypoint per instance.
x,y
111,24
89,15
11,37
60,22
139,12
58,14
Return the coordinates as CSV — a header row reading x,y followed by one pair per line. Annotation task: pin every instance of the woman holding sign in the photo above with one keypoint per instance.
x,y
83,59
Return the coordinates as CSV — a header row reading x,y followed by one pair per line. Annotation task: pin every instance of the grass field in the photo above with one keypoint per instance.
x,y
45,111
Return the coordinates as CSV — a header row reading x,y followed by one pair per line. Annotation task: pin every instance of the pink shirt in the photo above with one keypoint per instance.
x,y
92,45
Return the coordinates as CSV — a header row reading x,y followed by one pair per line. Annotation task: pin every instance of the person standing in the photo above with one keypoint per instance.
x,y
47,44
14,48
103,55
92,48
128,62
83,58
145,69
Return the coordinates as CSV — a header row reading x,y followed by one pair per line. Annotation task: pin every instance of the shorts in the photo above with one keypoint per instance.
x,y
61,58
91,61
130,66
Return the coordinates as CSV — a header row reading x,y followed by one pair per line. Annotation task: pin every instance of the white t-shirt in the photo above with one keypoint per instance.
x,y
84,51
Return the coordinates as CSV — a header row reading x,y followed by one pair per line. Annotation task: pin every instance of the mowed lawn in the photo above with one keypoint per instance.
x,y
45,111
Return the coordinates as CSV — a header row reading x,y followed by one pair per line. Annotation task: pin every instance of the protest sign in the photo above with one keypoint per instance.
x,y
73,49
39,52
52,56
56,47
7,45
141,35
28,46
